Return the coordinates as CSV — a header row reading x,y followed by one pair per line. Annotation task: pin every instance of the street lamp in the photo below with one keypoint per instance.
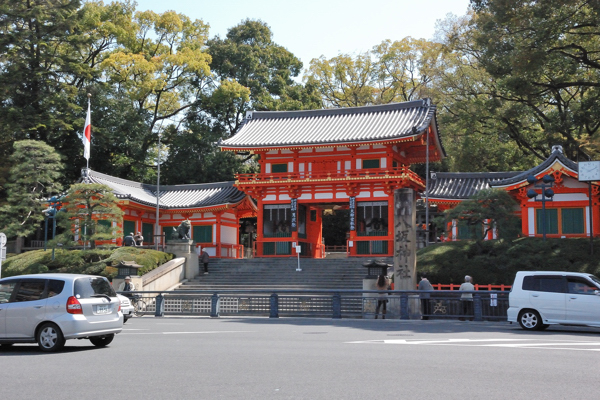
x,y
50,213
547,194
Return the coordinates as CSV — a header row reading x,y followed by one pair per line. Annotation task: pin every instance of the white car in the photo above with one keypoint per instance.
x,y
542,298
51,308
126,307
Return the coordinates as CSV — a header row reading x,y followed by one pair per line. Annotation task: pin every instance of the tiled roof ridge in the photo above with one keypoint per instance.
x,y
187,186
340,110
470,175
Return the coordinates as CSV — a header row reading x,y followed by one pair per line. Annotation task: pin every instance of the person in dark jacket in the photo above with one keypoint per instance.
x,y
129,240
204,260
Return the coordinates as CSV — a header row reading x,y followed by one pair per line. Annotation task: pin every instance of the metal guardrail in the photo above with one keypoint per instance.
x,y
326,303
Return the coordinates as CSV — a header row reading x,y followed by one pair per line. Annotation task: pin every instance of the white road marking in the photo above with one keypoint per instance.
x,y
525,343
182,333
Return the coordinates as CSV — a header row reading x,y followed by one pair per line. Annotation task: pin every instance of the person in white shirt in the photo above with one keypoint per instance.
x,y
467,299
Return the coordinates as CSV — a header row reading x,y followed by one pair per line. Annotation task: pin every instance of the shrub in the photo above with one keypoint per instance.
x,y
497,261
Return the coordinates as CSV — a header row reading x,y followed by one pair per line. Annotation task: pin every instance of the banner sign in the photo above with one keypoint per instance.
x,y
294,204
352,213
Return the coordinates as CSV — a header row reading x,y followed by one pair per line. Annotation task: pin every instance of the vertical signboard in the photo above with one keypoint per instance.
x,y
405,236
352,213
294,205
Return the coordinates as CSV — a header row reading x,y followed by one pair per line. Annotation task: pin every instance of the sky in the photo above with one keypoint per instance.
x,y
312,28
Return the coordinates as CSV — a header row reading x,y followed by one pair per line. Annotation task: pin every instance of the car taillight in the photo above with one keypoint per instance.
x,y
119,307
73,306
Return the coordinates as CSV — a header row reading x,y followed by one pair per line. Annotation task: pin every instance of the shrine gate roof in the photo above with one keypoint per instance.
x,y
333,126
171,196
557,155
463,185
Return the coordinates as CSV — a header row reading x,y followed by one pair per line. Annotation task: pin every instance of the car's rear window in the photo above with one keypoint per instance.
x,y
88,287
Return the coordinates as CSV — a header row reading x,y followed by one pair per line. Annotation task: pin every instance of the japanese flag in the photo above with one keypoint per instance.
x,y
87,134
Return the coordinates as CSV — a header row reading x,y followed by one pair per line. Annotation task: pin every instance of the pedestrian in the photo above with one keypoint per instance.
x,y
425,305
129,240
127,286
204,260
383,283
466,299
139,239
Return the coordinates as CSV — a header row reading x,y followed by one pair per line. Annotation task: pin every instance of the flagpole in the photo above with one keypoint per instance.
x,y
89,95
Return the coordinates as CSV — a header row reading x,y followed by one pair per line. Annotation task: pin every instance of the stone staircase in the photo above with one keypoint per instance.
x,y
280,273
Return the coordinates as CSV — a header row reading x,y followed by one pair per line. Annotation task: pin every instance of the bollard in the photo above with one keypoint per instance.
x,y
274,311
160,306
336,303
477,309
214,306
404,307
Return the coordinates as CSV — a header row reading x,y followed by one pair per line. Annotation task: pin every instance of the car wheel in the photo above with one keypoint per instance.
x,y
50,338
530,320
6,345
102,341
125,318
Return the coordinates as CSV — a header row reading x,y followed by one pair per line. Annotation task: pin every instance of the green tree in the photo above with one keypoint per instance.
x,y
249,56
469,107
494,205
35,175
391,72
85,206
545,59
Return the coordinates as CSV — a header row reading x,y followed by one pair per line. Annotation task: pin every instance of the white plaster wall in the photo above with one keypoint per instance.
x,y
587,220
229,234
383,162
306,196
379,193
570,197
339,195
358,163
268,168
323,195
284,197
531,218
322,149
364,194
348,164
290,166
270,197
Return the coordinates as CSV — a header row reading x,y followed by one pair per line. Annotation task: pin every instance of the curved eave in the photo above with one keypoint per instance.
x,y
183,208
539,174
302,146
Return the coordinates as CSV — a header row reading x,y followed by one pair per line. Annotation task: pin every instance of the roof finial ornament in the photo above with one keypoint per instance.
x,y
248,115
557,147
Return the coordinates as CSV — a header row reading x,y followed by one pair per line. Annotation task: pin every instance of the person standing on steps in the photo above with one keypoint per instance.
x,y
425,285
383,283
204,260
467,299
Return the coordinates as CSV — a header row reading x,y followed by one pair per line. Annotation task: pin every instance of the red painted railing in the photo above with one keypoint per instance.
x,y
453,286
398,172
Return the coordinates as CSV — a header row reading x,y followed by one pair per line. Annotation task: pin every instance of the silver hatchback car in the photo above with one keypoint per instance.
x,y
51,308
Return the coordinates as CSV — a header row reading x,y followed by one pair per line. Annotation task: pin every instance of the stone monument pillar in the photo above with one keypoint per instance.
x,y
405,245
183,248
